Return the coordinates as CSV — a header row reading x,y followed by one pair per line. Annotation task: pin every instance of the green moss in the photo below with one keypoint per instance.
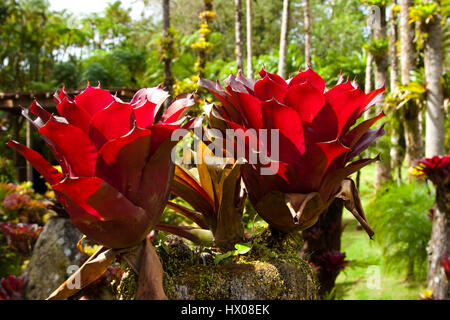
x,y
270,270
126,290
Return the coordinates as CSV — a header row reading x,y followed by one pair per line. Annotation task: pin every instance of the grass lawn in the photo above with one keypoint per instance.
x,y
366,278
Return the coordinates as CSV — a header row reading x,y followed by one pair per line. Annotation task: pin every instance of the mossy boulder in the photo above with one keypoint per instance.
x,y
272,270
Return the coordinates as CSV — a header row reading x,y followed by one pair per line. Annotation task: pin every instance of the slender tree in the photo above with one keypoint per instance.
x,y
238,32
249,39
307,33
383,167
434,136
397,125
283,39
166,48
369,73
413,138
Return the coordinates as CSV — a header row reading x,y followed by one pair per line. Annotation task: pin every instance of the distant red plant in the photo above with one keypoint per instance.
x,y
437,168
11,288
333,260
15,201
445,261
21,237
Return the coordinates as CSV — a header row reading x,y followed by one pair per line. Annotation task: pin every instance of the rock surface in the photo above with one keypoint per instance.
x,y
192,275
53,254
273,280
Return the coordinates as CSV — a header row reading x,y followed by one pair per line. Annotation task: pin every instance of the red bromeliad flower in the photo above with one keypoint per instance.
x,y
317,138
20,237
437,168
11,288
333,260
115,159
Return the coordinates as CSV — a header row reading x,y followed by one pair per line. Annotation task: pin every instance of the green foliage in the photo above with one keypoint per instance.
x,y
402,228
377,48
240,249
105,67
422,12
66,73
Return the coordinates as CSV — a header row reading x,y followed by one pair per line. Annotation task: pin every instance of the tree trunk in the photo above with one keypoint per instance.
x,y
249,40
383,167
434,136
283,39
323,237
167,48
238,32
307,34
413,138
439,242
368,83
397,125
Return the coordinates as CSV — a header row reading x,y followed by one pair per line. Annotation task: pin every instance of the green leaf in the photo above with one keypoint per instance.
x,y
220,257
242,248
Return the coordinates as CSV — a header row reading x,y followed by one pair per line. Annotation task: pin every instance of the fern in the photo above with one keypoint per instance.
x,y
402,228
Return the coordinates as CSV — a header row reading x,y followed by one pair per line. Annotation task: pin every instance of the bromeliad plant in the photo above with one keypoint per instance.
x,y
437,170
20,237
317,143
217,197
116,170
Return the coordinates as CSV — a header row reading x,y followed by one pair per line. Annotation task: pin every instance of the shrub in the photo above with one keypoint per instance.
x,y
402,227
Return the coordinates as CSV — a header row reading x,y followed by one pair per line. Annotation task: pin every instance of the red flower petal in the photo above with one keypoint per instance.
x,y
338,89
156,178
94,99
306,99
37,110
74,145
289,124
178,108
274,77
145,114
250,107
309,75
121,161
161,132
102,213
74,114
223,97
352,137
314,163
111,123
49,173
155,95
267,89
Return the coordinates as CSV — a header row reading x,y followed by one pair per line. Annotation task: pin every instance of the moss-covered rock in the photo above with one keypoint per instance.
x,y
271,270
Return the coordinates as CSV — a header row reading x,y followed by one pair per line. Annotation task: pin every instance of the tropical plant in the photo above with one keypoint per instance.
x,y
402,227
11,288
116,165
216,196
305,164
20,237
